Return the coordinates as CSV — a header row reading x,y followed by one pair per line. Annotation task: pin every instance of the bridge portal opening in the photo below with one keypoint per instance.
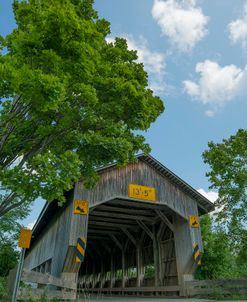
x,y
130,247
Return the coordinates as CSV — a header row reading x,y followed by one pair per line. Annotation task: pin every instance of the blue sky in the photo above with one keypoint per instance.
x,y
195,52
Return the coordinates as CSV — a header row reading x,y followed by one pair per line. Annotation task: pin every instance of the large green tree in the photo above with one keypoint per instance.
x,y
9,235
224,253
217,260
225,248
228,174
70,101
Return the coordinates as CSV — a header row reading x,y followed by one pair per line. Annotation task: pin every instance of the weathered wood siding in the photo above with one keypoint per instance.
x,y
51,244
62,232
114,183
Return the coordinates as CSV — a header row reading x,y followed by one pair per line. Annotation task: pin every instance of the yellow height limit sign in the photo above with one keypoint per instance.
x,y
142,192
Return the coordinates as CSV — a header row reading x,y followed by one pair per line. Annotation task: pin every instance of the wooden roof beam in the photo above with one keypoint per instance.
x,y
129,235
124,210
113,220
165,220
115,225
114,239
146,229
122,216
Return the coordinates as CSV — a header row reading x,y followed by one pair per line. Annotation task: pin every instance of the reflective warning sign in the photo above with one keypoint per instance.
x,y
194,221
197,254
81,207
25,238
80,250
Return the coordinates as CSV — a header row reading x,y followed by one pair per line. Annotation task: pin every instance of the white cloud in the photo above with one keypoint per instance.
x,y
210,113
31,224
217,85
210,195
154,62
238,29
183,22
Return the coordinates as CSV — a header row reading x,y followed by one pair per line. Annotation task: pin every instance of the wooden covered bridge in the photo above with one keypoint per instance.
x,y
136,232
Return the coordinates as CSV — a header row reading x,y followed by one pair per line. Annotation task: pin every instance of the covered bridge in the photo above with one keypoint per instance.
x,y
136,231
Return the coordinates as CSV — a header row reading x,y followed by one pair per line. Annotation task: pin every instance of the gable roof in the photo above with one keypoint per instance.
x,y
204,204
202,201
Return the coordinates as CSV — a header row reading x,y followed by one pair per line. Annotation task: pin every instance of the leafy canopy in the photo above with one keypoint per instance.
x,y
228,174
221,257
70,101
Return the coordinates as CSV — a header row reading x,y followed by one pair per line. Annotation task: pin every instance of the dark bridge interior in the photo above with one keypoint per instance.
x,y
130,245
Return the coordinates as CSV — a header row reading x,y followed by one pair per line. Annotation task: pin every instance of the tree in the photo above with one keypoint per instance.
x,y
8,258
241,259
10,224
70,101
9,235
217,260
228,174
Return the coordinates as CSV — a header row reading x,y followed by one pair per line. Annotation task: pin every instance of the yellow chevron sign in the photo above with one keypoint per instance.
x,y
197,254
80,250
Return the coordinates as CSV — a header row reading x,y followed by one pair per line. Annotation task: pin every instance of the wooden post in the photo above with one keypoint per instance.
x,y
102,276
18,275
160,233
78,228
156,257
161,265
94,275
112,282
184,251
139,265
123,269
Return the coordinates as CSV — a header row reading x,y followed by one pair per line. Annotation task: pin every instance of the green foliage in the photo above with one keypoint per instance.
x,y
149,271
228,164
224,254
8,258
3,286
70,101
241,256
10,224
228,174
217,261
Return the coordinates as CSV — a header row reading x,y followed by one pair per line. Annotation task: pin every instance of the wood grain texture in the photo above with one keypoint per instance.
x,y
112,221
51,244
35,277
220,286
114,183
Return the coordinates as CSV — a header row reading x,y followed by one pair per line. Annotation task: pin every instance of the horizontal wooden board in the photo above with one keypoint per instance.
x,y
221,286
217,282
39,278
171,288
218,290
38,293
